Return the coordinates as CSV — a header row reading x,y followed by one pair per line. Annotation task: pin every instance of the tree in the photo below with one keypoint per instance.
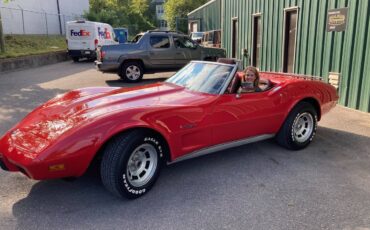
x,y
179,9
132,14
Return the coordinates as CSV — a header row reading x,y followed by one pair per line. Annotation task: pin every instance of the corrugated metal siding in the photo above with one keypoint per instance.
x,y
209,16
317,52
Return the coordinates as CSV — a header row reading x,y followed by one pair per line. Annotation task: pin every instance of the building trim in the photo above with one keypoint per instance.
x,y
255,15
201,7
293,8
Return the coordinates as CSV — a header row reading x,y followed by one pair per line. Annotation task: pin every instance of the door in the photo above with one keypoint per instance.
x,y
256,47
186,50
161,53
80,36
194,27
252,114
234,47
290,29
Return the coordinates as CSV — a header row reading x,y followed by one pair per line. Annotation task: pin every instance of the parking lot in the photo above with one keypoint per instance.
x,y
256,186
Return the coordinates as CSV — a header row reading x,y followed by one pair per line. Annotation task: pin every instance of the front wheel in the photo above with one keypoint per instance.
x,y
131,72
131,163
299,128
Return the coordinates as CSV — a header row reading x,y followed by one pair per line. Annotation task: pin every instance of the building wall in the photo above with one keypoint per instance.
x,y
159,13
208,16
317,52
39,16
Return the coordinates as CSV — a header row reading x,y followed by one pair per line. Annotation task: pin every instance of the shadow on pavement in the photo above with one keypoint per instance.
x,y
225,185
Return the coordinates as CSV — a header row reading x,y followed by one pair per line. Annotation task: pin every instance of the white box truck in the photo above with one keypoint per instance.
x,y
83,37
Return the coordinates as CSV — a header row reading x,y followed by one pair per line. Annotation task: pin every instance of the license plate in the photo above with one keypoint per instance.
x,y
87,52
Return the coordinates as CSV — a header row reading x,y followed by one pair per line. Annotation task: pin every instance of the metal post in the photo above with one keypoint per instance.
x,y
177,26
46,21
60,22
64,23
24,31
2,42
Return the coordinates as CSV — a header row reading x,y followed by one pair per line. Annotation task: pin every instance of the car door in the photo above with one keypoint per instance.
x,y
186,50
161,52
246,115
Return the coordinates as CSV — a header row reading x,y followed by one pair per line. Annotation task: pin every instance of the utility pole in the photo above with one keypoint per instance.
x,y
60,21
2,42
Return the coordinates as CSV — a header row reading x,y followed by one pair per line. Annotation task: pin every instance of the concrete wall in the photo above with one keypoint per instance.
x,y
39,16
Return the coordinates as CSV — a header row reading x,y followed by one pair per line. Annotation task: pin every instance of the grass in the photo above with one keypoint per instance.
x,y
23,45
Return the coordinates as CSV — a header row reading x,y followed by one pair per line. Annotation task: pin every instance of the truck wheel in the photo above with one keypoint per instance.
x,y
131,72
299,128
131,163
75,59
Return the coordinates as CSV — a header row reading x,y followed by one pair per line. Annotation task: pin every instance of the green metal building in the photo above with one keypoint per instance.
x,y
206,17
329,38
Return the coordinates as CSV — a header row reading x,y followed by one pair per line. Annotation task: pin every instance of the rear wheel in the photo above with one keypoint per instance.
x,y
299,128
75,59
131,163
131,72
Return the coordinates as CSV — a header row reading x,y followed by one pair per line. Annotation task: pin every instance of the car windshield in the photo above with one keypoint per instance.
x,y
203,77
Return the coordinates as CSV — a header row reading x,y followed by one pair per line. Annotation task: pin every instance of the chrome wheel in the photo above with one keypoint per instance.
x,y
303,126
133,72
142,165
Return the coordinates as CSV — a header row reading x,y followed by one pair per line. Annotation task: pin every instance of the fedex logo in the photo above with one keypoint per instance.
x,y
80,33
104,34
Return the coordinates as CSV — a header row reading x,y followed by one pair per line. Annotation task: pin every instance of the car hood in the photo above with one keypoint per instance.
x,y
69,111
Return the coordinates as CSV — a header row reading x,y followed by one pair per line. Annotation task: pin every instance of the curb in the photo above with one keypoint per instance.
x,y
19,63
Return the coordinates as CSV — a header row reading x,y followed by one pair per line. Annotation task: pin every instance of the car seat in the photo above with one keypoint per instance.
x,y
235,83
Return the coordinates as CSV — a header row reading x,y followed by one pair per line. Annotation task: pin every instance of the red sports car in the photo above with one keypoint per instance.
x,y
132,131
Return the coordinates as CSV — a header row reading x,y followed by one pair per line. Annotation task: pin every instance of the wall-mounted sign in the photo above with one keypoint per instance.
x,y
337,19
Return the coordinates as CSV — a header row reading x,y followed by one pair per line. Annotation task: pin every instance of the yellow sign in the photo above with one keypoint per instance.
x,y
337,19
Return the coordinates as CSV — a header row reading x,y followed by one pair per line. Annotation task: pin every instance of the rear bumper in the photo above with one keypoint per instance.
x,y
82,53
106,67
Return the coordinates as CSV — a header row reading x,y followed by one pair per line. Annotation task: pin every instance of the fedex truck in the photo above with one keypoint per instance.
x,y
83,37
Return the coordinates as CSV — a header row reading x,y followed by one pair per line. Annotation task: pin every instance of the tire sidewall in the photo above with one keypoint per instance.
x,y
124,68
124,184
298,111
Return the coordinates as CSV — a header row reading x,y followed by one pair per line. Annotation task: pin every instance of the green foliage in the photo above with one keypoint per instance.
x,y
180,9
23,45
136,15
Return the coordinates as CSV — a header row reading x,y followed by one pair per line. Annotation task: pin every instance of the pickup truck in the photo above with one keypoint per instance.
x,y
152,51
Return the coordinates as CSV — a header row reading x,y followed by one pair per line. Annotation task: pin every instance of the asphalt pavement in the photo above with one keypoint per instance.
x,y
256,186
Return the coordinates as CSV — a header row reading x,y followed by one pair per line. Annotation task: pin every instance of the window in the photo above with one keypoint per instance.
x,y
162,23
160,9
256,40
183,42
160,42
137,38
290,28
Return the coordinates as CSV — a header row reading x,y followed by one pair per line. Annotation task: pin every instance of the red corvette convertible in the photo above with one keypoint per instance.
x,y
132,131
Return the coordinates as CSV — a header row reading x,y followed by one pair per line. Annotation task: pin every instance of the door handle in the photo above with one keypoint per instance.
x,y
179,53
151,53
